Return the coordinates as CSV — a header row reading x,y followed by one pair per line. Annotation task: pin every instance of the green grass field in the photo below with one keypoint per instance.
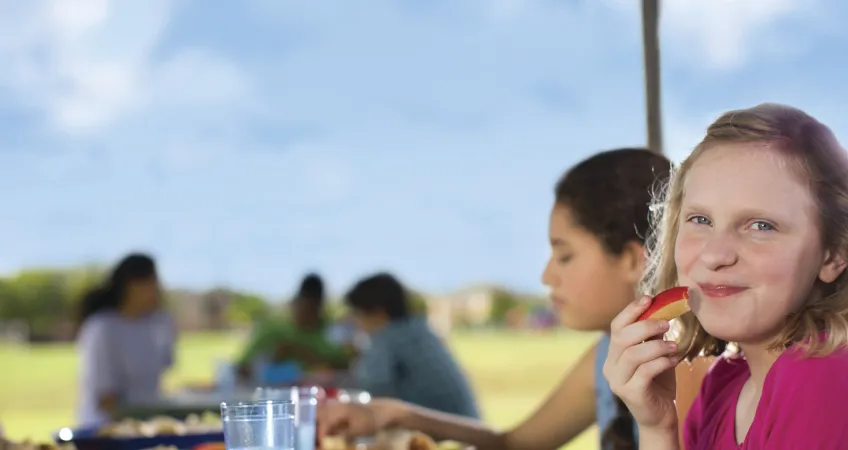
x,y
511,373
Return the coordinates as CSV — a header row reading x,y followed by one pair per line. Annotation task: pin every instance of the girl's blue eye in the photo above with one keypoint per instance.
x,y
762,226
700,220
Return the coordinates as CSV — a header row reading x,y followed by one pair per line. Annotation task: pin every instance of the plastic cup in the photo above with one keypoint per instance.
x,y
259,425
305,399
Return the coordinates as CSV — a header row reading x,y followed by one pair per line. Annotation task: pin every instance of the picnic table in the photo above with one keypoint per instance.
x,y
184,403
187,401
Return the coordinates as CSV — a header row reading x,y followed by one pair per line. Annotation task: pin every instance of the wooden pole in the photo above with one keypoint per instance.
x,y
651,50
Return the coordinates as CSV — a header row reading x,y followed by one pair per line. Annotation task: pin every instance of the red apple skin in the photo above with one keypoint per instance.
x,y
665,298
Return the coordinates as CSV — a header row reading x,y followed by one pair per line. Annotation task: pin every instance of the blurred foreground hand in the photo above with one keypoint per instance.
x,y
352,420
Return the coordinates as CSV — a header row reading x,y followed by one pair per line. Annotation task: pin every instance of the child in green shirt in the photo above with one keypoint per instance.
x,y
302,340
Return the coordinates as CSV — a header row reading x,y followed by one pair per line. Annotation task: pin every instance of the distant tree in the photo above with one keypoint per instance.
x,y
245,308
417,302
503,301
335,310
12,305
41,298
79,281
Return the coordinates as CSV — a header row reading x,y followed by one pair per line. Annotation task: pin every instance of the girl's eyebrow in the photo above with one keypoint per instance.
x,y
557,242
690,206
750,212
759,213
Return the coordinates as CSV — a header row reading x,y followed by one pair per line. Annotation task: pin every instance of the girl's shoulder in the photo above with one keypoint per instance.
x,y
98,330
795,370
100,322
799,398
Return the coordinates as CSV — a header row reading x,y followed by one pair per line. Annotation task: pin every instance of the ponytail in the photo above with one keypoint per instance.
x,y
99,299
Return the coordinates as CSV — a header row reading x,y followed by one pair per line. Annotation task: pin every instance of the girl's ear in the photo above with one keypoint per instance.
x,y
832,266
633,260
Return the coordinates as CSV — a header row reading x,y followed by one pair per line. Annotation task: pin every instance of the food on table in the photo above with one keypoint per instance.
x,y
208,422
163,426
668,305
451,445
420,441
211,446
394,440
29,445
124,428
333,443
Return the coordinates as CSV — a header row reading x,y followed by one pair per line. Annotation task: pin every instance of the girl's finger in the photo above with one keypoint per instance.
x,y
633,357
647,351
630,313
646,372
331,417
639,332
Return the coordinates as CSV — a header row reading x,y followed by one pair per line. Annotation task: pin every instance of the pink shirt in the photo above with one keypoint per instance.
x,y
803,405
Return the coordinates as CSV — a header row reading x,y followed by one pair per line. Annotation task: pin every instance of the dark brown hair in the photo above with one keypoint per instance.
x,y
110,294
381,292
609,195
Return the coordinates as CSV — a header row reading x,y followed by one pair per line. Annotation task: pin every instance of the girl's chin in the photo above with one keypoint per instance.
x,y
570,323
731,334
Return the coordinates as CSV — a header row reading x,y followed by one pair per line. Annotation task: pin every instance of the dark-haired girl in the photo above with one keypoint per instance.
x,y
125,340
597,227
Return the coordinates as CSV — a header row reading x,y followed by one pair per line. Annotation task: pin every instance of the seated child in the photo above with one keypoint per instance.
x,y
303,340
405,359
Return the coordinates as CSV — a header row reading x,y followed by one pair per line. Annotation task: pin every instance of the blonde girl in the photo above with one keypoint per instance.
x,y
755,223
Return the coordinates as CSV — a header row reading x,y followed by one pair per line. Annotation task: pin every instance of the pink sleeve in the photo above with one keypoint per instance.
x,y
808,405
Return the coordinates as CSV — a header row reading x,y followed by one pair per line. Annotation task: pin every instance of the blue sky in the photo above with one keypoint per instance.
x,y
247,142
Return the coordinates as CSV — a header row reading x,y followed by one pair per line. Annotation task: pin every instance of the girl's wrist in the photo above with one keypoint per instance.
x,y
395,413
659,437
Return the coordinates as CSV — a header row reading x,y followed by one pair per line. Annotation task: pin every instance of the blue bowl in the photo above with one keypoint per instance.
x,y
87,439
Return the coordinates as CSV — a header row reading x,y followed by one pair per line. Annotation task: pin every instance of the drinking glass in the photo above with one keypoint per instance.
x,y
305,399
259,425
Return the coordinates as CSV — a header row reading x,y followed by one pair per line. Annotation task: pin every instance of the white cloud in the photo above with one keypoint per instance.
x,y
724,30
72,19
76,61
502,10
197,79
719,34
681,136
85,64
100,92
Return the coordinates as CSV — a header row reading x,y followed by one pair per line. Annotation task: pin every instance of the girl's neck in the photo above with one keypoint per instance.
x,y
760,360
131,312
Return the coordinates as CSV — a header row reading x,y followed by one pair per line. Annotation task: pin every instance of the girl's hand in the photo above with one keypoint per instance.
x,y
355,419
639,367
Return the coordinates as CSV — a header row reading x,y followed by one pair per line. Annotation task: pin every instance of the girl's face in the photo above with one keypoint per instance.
x,y
589,286
369,322
748,244
143,294
305,313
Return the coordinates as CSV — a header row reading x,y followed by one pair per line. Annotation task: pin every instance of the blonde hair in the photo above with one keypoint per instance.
x,y
811,148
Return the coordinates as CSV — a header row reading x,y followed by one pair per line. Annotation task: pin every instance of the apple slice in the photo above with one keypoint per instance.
x,y
668,305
